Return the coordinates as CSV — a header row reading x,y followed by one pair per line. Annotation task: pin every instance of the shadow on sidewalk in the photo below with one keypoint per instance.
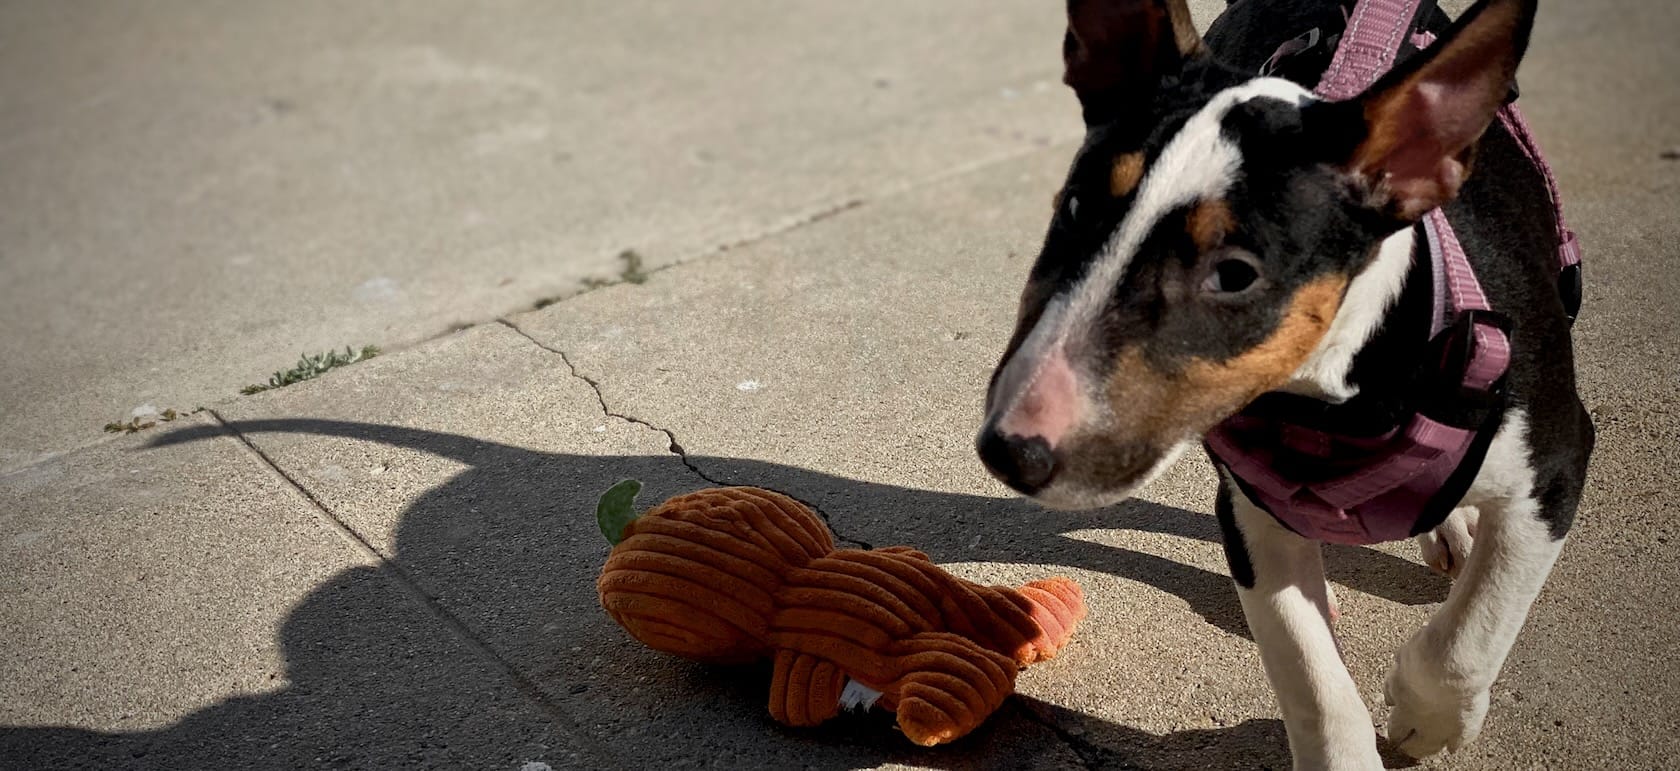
x,y
509,547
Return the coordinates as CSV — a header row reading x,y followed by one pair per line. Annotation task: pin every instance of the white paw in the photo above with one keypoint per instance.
x,y
1447,547
1351,752
1429,713
1346,759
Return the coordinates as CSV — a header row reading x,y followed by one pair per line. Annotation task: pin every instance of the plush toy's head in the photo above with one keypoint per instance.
x,y
695,576
741,574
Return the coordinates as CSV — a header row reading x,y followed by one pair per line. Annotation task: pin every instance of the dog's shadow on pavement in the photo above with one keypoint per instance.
x,y
509,548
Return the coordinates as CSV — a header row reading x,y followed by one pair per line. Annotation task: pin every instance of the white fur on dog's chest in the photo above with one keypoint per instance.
x,y
1369,296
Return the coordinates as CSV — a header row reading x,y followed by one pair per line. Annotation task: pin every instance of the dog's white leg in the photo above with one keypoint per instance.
x,y
1280,579
1447,547
1440,683
1441,679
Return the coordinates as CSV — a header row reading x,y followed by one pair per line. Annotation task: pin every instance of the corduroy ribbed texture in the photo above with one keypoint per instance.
x,y
740,574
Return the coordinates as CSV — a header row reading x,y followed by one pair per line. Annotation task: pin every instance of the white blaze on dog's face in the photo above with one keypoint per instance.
x,y
1207,234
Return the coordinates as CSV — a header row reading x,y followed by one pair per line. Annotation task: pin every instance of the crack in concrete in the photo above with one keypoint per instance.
x,y
601,398
395,573
1091,755
673,446
785,225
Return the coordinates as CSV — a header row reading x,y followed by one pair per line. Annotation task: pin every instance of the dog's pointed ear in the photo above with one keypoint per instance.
x,y
1118,51
1421,120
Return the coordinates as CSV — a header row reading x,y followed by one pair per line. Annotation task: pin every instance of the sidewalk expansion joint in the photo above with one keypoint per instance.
x,y
674,447
795,222
810,216
783,226
403,580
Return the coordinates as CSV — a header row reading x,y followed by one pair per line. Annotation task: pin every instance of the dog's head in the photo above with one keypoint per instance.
x,y
1207,232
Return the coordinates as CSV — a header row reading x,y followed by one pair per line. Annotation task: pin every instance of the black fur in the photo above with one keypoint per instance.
x,y
1303,222
1088,212
1236,549
1504,219
1506,224
1282,204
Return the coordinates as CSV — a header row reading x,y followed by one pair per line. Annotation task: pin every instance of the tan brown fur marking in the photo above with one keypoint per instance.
x,y
1127,172
1159,407
1208,223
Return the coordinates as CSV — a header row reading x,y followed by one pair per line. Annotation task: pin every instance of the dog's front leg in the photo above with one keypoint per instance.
x,y
1280,578
1442,677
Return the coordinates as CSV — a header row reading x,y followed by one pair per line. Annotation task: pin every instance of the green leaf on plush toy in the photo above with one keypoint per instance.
x,y
617,509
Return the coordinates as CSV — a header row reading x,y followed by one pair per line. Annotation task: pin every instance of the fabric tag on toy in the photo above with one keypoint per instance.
x,y
857,696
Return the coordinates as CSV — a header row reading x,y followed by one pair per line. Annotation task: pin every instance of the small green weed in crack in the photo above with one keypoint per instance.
x,y
141,423
311,367
633,272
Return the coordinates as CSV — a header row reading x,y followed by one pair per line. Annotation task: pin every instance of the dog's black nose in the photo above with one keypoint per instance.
x,y
1024,463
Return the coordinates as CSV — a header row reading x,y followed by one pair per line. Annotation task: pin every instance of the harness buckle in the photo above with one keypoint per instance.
x,y
1446,394
1570,289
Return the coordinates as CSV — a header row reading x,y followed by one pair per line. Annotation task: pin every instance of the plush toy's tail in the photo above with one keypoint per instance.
x,y
1057,605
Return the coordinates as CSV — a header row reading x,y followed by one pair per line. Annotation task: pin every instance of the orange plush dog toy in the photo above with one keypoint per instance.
x,y
739,574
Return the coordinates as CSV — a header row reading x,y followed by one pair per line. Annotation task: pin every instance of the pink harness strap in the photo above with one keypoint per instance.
x,y
1569,247
1491,353
1368,47
1368,489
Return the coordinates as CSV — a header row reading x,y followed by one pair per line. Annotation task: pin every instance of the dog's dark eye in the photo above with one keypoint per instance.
x,y
1234,272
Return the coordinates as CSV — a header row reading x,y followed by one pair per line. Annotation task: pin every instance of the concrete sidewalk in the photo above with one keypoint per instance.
x,y
392,566
194,193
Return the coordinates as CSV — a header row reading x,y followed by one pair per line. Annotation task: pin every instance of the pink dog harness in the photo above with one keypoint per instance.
x,y
1373,487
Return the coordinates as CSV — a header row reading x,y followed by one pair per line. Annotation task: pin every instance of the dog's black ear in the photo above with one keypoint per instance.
x,y
1118,51
1420,121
